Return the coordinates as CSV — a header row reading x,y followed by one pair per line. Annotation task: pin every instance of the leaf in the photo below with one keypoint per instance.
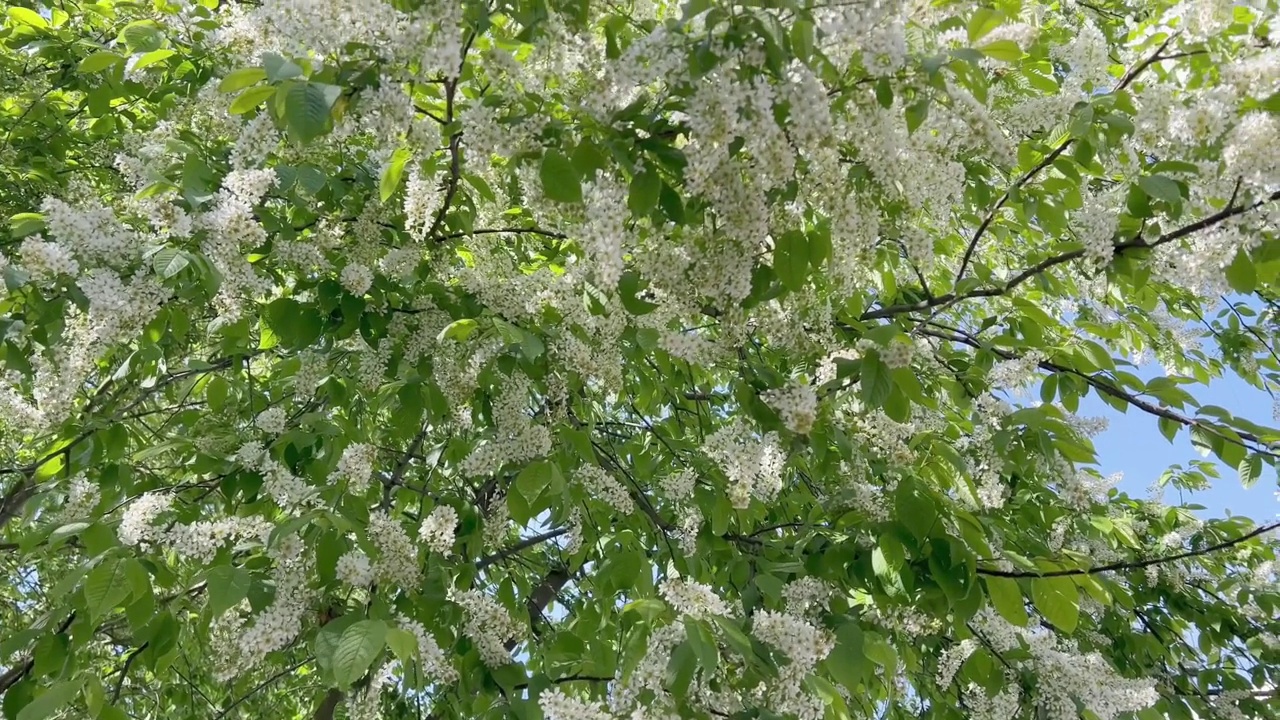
x,y
642,197
791,260
1242,273
28,17
1058,599
1250,470
704,645
169,262
458,330
392,173
51,700
1006,598
242,78
876,382
847,660
227,586
153,57
1002,50
1160,188
984,20
356,650
306,109
533,479
278,68
250,99
403,644
559,180
215,393
141,36
99,61
105,587
297,326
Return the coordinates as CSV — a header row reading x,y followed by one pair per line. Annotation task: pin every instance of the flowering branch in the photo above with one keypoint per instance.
x,y
524,544
1246,440
1132,565
949,299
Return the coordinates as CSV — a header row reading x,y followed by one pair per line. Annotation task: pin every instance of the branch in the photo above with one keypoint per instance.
x,y
1246,440
496,231
526,543
1048,160
124,671
257,688
1134,565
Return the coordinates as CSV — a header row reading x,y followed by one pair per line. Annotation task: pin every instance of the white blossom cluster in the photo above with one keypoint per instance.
x,y
82,498
488,624
355,466
796,404
397,561
605,487
516,436
437,530
432,660
558,706
1066,675
692,598
277,625
751,462
289,491
355,569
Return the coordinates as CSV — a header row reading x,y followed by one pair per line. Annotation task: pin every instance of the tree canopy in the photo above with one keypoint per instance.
x,y
588,360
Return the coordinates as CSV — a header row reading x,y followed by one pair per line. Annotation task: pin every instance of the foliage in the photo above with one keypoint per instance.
x,y
572,359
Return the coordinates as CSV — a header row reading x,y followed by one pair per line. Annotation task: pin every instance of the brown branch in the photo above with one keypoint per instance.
x,y
1120,248
1048,160
497,231
524,544
1246,440
326,708
1133,565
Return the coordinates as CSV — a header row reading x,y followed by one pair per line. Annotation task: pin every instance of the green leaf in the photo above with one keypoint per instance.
x,y
169,262
27,16
242,78
297,326
227,586
51,700
847,662
306,109
876,381
1002,50
704,645
643,195
1250,470
983,21
1006,598
1242,273
153,57
141,36
1058,599
391,174
559,180
1160,188
791,260
99,61
403,644
106,586
250,99
356,650
458,330
533,479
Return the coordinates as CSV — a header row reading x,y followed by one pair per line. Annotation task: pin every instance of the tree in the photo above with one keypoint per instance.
x,y
567,359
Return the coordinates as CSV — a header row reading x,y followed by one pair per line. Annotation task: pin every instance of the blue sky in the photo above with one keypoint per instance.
x,y
1132,444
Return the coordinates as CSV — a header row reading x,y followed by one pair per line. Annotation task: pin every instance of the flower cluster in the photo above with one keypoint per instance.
x,y
606,487
695,599
489,626
437,529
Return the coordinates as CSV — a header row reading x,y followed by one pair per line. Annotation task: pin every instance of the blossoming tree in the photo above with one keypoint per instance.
x,y
575,359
